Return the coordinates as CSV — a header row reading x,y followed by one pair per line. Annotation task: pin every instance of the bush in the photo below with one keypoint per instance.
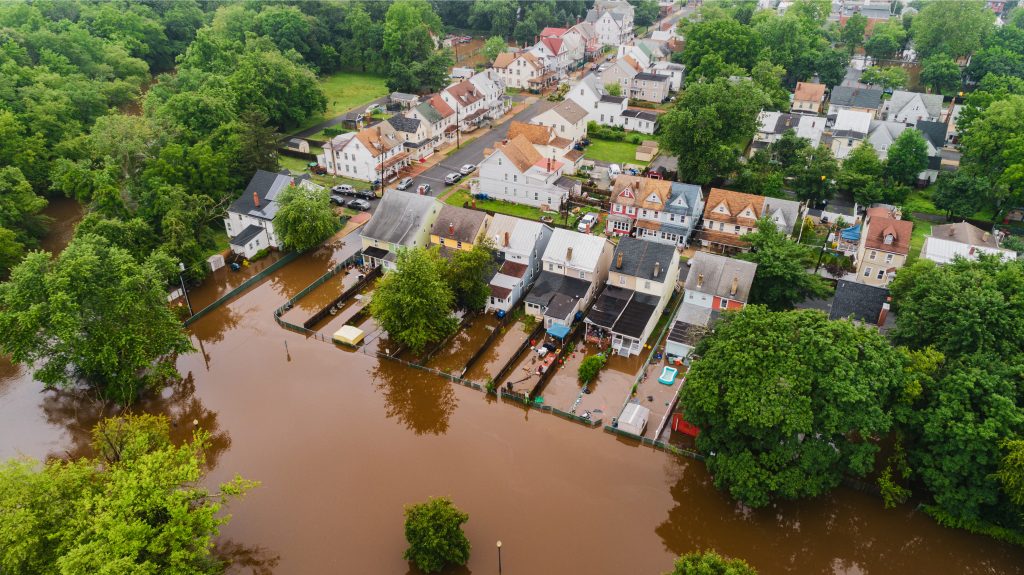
x,y
590,367
260,255
434,532
610,133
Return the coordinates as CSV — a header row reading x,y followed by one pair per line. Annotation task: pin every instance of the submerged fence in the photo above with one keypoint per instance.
x,y
242,287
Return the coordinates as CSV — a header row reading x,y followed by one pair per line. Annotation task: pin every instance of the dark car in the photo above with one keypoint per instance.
x,y
357,204
337,199
365,195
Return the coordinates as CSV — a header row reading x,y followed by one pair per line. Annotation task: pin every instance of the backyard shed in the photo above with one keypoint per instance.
x,y
634,418
349,335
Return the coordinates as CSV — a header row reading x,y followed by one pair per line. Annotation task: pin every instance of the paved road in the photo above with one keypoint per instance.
x,y
337,119
472,152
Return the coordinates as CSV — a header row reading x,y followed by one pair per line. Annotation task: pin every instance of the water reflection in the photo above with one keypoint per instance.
x,y
451,570
242,558
421,401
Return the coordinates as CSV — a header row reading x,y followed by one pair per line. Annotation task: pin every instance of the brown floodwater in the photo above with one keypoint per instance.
x,y
66,214
341,441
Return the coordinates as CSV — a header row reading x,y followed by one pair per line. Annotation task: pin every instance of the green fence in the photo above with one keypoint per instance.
x,y
305,291
660,445
243,287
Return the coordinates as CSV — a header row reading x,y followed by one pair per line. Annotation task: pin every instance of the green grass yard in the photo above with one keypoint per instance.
x,y
612,152
921,230
347,90
460,197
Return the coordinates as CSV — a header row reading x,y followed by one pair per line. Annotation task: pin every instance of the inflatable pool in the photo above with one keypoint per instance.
x,y
668,375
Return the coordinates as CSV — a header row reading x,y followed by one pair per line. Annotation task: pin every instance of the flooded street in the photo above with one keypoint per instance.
x,y
342,441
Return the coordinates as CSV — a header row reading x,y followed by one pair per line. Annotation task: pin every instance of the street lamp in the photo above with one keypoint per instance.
x,y
499,557
181,270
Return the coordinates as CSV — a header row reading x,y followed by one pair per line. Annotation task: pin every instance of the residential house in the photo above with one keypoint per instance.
x,y
676,74
405,101
371,154
862,304
567,43
516,172
438,118
656,210
856,99
555,54
401,220
575,265
492,87
883,248
728,215
962,240
850,129
414,134
468,102
808,98
568,118
912,107
952,132
639,121
772,125
601,107
883,133
713,284
641,279
612,20
548,144
458,228
519,245
250,219
646,52
620,72
588,37
521,70
650,87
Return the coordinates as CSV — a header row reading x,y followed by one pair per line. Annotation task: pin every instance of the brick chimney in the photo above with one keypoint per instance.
x,y
618,261
885,311
568,254
700,280
735,285
256,199
451,229
506,239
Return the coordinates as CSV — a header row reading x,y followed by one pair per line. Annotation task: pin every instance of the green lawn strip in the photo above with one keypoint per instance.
x,y
347,90
921,230
921,201
460,197
613,152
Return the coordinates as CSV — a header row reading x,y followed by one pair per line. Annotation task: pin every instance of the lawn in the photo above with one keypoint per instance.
x,y
921,230
613,152
347,90
518,210
921,201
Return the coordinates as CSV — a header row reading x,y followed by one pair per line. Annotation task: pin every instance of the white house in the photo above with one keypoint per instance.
x,y
610,110
414,134
492,88
521,70
772,125
575,266
519,245
850,129
911,107
568,118
402,220
516,172
962,240
620,71
639,121
555,53
371,154
714,284
250,219
612,20
468,102
675,72
438,118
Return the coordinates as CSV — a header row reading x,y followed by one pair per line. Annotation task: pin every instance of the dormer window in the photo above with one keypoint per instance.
x,y
888,239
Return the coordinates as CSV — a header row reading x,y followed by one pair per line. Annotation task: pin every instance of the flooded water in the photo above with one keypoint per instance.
x,y
66,214
342,441
454,356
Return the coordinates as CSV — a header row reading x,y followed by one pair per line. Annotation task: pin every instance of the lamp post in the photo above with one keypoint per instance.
x,y
499,557
181,270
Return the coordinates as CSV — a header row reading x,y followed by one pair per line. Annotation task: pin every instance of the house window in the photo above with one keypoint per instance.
x,y
721,226
551,267
880,274
499,163
888,258
458,245
515,177
583,275
622,280
867,272
737,229
871,256
647,285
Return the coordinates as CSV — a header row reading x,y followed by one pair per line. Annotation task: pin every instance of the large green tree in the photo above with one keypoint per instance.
x,y
886,39
710,563
941,74
305,217
907,157
892,77
788,402
469,273
434,532
782,279
413,302
138,506
852,33
709,124
960,194
735,43
95,314
494,46
993,147
20,207
951,28
860,171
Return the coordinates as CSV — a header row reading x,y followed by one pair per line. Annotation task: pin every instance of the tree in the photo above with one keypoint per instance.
x,y
469,273
941,74
413,302
646,12
860,171
1011,471
285,91
434,532
498,16
992,148
787,402
893,77
908,157
613,89
256,144
781,280
140,504
408,42
832,66
11,252
886,39
493,46
960,194
708,125
20,207
710,563
590,367
94,313
735,43
814,173
951,28
852,33
304,217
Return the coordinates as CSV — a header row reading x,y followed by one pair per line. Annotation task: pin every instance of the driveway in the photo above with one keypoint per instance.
x,y
337,119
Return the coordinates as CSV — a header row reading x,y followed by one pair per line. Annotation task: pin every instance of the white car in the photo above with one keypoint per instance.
x,y
587,222
467,169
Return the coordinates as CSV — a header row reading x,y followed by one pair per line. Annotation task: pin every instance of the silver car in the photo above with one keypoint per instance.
x,y
404,184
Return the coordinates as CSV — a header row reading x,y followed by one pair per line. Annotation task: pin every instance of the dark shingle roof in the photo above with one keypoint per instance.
x,y
858,301
459,224
934,132
639,257
855,97
651,77
404,123
250,232
266,185
637,315
549,284
613,99
640,114
609,306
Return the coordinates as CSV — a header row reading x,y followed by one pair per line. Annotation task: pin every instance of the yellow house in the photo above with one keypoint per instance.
x,y
458,228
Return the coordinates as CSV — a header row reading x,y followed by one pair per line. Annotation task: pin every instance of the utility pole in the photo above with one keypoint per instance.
x,y
458,128
181,270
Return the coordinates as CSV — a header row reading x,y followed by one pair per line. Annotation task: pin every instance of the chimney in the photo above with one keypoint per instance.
x,y
618,261
657,269
549,164
735,285
700,280
885,311
506,239
256,199
568,254
451,229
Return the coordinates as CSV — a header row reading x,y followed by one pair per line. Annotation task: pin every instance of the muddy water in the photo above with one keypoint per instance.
x,y
454,356
66,214
341,442
500,352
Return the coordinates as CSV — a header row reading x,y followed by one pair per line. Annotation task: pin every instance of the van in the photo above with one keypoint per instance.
x,y
587,223
614,170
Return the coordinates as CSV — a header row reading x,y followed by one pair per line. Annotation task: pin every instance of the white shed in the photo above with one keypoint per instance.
x,y
634,418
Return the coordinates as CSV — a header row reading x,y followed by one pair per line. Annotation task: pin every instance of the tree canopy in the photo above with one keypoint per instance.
x,y
907,157
413,302
787,402
782,279
951,28
434,532
305,217
710,563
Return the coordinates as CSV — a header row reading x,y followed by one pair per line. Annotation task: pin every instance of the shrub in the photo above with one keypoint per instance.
x,y
590,367
434,532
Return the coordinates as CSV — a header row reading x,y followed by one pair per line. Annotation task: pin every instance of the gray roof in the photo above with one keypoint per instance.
x,y
640,114
934,132
459,224
858,301
638,258
250,232
550,284
402,96
855,97
636,315
612,99
404,123
428,111
901,98
570,110
399,216
714,274
266,186
692,195
651,77
609,305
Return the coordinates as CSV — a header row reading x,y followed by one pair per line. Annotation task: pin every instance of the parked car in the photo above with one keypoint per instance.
x,y
357,204
587,222
404,184
614,170
343,189
452,178
318,170
337,199
365,194
423,190
467,169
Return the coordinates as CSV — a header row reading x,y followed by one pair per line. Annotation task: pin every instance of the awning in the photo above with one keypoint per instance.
x,y
559,330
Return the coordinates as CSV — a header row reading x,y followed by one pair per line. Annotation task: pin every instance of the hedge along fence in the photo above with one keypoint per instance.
x,y
243,287
296,154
